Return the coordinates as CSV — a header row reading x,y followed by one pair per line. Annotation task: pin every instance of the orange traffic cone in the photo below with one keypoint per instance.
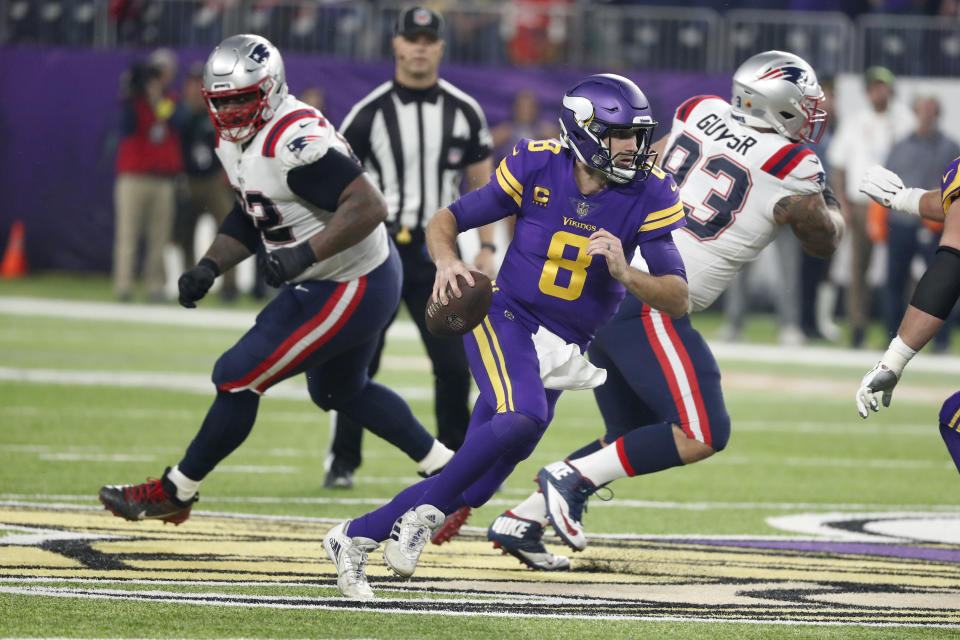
x,y
14,259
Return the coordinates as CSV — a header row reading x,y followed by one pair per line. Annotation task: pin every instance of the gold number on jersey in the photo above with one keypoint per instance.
x,y
544,145
577,267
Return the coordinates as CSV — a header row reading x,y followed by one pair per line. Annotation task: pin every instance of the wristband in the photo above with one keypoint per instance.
x,y
908,201
897,356
489,245
209,264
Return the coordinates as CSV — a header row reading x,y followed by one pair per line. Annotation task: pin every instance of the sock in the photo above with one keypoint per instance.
x,y
644,450
385,413
227,424
533,508
438,456
186,488
952,439
586,450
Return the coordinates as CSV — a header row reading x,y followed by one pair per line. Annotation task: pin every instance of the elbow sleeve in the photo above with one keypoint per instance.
x,y
939,287
322,182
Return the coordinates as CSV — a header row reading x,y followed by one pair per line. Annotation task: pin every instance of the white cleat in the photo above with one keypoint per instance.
x,y
410,534
349,555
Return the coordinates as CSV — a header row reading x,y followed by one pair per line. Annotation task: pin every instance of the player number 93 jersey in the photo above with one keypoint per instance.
x,y
730,178
297,135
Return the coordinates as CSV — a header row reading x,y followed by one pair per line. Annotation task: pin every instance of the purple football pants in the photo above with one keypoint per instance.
x,y
508,420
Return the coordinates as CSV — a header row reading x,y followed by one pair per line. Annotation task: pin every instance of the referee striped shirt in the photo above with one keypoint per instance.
x,y
416,143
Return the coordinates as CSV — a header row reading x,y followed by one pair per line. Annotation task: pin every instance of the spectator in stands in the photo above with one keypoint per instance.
x,y
525,122
148,161
862,140
207,189
918,159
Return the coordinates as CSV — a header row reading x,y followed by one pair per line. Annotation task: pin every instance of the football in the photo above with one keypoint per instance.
x,y
460,315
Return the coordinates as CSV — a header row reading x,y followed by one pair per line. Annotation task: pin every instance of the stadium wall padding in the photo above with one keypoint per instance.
x,y
59,113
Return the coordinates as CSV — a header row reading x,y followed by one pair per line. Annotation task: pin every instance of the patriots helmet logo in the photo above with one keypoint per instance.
x,y
792,74
259,53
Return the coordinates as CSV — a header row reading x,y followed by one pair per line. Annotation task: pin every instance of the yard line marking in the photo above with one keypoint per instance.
x,y
405,330
436,607
292,388
14,499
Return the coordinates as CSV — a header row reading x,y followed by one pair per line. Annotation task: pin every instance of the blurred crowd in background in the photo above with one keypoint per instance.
x,y
167,175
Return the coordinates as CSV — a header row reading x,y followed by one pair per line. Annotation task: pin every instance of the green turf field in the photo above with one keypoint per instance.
x,y
812,524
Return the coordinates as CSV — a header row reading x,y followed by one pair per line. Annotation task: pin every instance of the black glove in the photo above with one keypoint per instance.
x,y
283,264
195,282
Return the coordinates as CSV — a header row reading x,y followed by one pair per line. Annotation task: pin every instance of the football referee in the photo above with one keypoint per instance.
x,y
418,136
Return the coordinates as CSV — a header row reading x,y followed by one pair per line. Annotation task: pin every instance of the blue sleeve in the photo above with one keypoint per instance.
x,y
664,209
663,257
487,204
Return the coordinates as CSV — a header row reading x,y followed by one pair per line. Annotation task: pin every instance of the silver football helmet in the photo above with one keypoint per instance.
x,y
244,84
780,90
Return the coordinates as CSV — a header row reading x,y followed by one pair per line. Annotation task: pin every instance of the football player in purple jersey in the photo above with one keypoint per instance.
x,y
936,294
584,206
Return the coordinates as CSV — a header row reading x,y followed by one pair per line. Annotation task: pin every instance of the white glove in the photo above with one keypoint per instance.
x,y
887,188
883,377
880,378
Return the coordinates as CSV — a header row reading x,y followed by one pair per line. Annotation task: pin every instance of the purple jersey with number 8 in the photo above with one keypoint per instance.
x,y
546,271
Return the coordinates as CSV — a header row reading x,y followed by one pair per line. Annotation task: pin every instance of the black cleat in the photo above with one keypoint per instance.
x,y
154,499
339,477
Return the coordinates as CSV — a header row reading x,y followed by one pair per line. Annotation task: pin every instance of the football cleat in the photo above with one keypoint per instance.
x,y
566,491
521,538
410,535
349,556
154,499
451,526
338,477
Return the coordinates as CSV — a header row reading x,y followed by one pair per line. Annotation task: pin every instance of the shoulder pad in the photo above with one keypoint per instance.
x,y
684,110
950,184
288,126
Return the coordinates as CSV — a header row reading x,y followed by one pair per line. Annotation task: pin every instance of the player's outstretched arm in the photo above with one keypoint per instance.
x,y
236,239
817,224
933,300
886,187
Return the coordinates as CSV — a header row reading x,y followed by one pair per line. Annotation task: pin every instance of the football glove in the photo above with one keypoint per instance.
x,y
883,377
886,187
281,265
195,282
878,379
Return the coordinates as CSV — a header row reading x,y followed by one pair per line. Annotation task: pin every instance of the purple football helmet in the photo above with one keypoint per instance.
x,y
605,105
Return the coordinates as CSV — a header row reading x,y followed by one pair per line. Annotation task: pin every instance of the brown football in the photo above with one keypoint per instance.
x,y
460,315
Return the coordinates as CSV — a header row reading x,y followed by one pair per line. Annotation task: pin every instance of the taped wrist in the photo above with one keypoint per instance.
x,y
908,201
897,356
939,287
238,226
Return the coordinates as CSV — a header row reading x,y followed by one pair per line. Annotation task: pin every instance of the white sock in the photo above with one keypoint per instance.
x,y
186,488
436,458
600,467
533,508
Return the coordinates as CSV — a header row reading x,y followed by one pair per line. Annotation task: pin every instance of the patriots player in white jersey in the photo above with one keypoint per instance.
x,y
744,171
303,197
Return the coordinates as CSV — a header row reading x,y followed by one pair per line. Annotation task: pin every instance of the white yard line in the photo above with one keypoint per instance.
x,y
405,330
40,500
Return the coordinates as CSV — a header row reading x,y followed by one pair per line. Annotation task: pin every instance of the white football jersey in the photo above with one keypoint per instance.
x,y
297,135
730,178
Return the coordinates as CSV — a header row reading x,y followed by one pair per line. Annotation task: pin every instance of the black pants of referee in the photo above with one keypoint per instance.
x,y
451,372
